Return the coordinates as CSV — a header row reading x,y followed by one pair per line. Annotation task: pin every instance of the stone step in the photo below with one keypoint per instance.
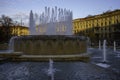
x,y
83,58
10,55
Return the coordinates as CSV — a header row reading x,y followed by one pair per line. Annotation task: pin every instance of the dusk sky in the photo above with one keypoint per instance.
x,y
81,8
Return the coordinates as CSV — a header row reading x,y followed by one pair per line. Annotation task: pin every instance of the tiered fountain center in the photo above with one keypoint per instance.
x,y
50,45
50,36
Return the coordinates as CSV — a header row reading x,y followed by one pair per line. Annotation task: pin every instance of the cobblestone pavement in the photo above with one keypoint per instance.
x,y
65,71
112,59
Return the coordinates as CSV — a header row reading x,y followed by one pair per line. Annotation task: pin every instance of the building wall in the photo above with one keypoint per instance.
x,y
98,27
19,30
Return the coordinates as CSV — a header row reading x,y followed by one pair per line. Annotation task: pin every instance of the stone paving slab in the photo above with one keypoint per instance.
x,y
112,60
65,71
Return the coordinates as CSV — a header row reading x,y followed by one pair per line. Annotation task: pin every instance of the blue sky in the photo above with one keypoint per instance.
x,y
80,8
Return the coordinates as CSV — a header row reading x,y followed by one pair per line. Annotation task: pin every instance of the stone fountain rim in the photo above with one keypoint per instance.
x,y
53,37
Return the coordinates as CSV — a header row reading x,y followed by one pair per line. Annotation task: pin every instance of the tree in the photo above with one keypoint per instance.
x,y
5,30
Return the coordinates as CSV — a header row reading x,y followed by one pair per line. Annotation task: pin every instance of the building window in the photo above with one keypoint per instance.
x,y
109,22
101,23
105,23
117,21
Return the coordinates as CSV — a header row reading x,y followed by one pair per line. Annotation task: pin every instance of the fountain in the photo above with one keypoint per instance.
x,y
104,61
99,45
11,44
32,24
58,42
117,52
50,35
104,51
55,21
114,46
51,69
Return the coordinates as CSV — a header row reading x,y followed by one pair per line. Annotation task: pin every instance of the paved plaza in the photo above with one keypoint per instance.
x,y
64,70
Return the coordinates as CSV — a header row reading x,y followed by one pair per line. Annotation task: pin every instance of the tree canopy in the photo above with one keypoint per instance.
x,y
5,24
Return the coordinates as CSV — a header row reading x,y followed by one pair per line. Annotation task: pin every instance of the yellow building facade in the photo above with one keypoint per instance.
x,y
19,30
98,27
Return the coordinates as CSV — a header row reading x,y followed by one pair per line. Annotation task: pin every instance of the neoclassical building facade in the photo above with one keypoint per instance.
x,y
19,30
99,27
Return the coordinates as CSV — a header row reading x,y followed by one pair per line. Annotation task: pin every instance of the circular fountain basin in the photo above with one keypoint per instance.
x,y
50,45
